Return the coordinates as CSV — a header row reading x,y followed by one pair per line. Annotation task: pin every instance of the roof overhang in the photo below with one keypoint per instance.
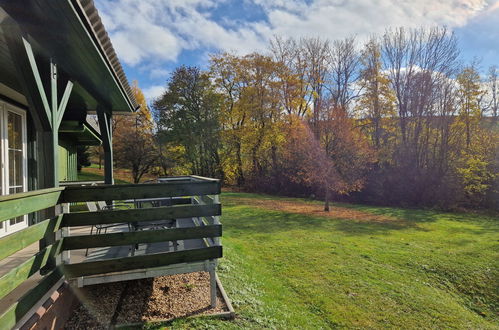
x,y
70,33
80,133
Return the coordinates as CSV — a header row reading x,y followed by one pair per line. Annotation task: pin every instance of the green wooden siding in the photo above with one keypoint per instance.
x,y
68,170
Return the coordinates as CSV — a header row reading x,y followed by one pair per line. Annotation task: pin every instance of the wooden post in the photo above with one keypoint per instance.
x,y
105,126
53,120
213,286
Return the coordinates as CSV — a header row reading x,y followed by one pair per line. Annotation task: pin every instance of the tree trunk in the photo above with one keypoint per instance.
x,y
239,170
326,202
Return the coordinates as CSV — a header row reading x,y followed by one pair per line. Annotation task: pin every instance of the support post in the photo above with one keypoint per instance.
x,y
107,143
53,120
213,286
65,232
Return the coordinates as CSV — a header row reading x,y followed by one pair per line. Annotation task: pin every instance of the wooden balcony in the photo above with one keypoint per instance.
x,y
138,244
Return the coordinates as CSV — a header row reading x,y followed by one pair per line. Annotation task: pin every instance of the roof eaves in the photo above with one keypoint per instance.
x,y
93,19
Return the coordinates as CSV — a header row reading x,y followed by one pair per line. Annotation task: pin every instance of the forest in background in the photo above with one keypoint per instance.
x,y
399,121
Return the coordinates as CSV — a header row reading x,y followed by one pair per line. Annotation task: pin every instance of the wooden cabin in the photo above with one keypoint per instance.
x,y
57,67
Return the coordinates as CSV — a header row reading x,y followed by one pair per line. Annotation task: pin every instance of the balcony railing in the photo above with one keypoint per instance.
x,y
199,210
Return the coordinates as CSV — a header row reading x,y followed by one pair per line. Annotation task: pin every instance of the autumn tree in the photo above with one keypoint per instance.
x,y
233,119
469,94
296,92
133,140
376,106
188,115
306,161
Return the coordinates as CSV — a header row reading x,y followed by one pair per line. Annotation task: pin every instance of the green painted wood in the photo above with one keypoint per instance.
x,y
131,191
17,275
14,205
206,199
15,312
62,164
147,236
107,139
138,215
140,262
17,241
38,79
64,102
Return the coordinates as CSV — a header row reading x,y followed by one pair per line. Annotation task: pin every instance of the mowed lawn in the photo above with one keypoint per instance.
x,y
287,265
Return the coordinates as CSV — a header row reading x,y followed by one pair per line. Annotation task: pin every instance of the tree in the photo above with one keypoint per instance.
x,y
377,102
493,82
133,140
307,163
343,70
469,94
188,115
82,156
225,71
296,92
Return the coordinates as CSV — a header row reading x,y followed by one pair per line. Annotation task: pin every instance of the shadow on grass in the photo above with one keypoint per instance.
x,y
271,220
253,220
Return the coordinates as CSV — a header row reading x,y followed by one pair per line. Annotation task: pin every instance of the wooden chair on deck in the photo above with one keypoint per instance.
x,y
101,206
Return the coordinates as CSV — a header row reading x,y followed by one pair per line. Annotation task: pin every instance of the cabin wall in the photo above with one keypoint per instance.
x,y
68,167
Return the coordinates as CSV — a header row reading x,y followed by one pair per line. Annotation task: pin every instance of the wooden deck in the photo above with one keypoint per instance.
x,y
36,259
116,252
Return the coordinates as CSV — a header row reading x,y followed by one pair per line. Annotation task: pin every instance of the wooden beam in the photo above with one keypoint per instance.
x,y
138,215
17,275
12,206
136,237
64,102
140,262
38,79
37,105
21,239
137,191
17,311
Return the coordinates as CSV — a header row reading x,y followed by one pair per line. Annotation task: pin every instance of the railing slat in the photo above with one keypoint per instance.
x,y
141,262
137,215
147,236
137,191
9,319
17,241
19,274
23,203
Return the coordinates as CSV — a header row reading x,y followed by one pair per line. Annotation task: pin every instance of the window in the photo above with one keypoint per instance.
x,y
13,157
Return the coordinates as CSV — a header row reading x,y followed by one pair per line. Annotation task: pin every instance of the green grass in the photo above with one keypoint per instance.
x,y
89,176
284,270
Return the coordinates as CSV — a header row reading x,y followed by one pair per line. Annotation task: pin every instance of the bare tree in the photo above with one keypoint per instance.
x,y
493,85
317,55
343,72
419,63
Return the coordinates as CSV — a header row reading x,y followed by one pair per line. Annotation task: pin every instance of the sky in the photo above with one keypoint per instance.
x,y
153,37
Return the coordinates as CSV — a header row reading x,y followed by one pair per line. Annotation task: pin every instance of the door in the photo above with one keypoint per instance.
x,y
13,178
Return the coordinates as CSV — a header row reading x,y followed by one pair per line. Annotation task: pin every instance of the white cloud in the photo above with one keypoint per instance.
x,y
153,92
158,30
158,72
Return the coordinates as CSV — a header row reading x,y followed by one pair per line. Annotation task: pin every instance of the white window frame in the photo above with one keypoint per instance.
x,y
5,108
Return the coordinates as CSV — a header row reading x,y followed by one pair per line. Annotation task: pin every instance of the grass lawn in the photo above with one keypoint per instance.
x,y
93,173
289,265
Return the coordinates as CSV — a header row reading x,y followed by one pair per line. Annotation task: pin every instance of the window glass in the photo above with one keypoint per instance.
x,y
14,155
14,124
15,145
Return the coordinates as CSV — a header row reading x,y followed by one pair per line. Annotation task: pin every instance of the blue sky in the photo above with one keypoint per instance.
x,y
152,37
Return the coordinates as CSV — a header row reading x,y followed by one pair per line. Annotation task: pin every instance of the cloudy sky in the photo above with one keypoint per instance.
x,y
152,37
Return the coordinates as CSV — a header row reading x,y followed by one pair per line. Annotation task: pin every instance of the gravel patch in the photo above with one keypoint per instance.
x,y
146,300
